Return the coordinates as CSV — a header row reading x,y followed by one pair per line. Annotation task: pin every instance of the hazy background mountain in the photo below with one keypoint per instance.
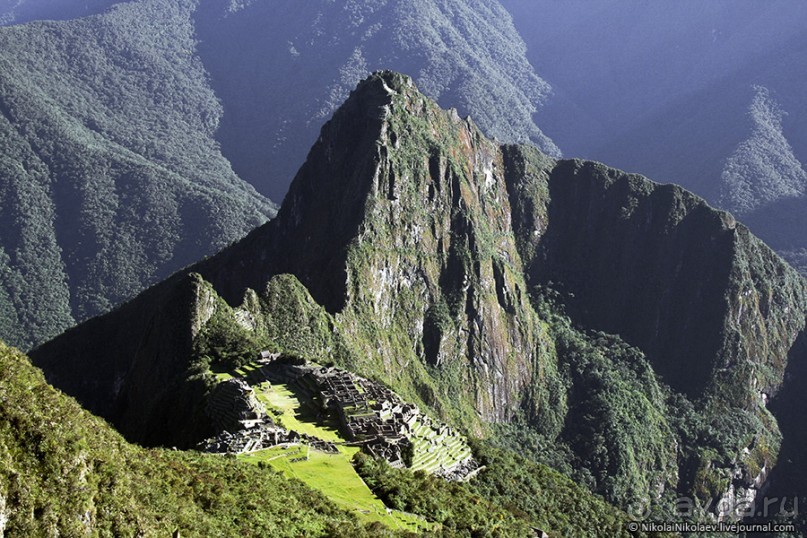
x,y
708,95
110,177
18,11
130,138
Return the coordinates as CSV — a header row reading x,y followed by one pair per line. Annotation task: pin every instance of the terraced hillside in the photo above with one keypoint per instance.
x,y
328,471
66,472
329,408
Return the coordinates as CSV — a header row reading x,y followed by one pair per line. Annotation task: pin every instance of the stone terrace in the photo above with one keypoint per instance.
x,y
375,417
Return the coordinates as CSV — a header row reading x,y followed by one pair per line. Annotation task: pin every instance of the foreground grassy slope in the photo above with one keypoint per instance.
x,y
335,477
64,471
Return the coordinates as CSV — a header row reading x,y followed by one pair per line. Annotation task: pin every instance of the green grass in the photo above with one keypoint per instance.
x,y
334,476
242,371
285,404
282,403
64,472
223,376
331,474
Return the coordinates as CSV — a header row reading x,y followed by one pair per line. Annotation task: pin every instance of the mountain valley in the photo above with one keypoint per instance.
x,y
505,266
683,92
447,328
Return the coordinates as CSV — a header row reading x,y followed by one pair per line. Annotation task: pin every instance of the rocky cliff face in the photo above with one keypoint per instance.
x,y
415,251
686,284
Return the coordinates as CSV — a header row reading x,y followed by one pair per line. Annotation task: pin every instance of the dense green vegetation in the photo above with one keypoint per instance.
x,y
110,177
619,436
510,496
64,471
547,498
458,509
617,425
625,426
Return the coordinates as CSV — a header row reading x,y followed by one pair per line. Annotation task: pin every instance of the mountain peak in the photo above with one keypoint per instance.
x,y
391,82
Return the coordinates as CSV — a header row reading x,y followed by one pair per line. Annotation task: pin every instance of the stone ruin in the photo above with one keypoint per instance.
x,y
254,436
369,415
465,470
262,435
243,426
373,416
390,449
231,404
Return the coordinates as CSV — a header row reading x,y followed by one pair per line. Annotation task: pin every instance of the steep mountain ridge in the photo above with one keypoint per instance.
x,y
133,140
668,90
656,265
414,251
362,217
765,183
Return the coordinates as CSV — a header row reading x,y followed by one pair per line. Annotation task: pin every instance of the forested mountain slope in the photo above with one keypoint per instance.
x,y
126,137
110,177
475,279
